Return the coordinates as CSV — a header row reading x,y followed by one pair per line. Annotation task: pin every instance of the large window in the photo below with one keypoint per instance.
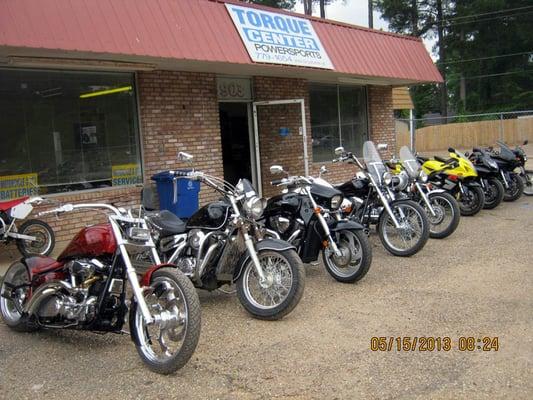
x,y
67,131
338,118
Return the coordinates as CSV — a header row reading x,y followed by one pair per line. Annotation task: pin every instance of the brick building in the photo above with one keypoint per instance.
x,y
97,96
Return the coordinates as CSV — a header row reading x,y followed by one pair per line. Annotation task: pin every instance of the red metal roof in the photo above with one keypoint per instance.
x,y
199,30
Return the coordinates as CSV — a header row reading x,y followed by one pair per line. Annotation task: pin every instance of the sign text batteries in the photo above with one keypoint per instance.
x,y
279,38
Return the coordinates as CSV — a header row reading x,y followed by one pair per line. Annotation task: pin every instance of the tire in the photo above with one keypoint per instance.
x,y
494,194
516,188
474,206
349,241
45,235
444,204
17,274
527,179
189,332
293,265
386,224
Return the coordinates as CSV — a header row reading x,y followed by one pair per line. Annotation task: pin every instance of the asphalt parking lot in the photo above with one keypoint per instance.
x,y
478,282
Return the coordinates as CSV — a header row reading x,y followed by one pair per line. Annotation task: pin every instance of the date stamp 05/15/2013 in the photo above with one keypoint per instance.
x,y
434,343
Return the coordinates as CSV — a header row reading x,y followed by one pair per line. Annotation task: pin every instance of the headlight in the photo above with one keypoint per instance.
x,y
423,176
387,178
492,164
254,207
336,201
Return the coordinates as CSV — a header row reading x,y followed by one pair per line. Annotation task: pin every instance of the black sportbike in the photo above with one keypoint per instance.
x,y
508,161
488,173
305,215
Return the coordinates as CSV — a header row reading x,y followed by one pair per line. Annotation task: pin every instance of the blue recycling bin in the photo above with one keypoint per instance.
x,y
178,195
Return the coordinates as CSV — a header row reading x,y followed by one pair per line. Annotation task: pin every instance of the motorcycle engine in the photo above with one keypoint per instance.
x,y
280,223
77,304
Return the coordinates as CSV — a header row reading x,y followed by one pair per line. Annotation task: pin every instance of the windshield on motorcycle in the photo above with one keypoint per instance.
x,y
373,161
505,151
465,158
409,162
245,187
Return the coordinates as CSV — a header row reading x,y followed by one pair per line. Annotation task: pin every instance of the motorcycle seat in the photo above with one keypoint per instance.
x,y
169,223
6,205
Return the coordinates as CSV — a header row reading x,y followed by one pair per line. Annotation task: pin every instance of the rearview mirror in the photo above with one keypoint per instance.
x,y
451,150
383,146
276,169
339,151
525,142
323,169
186,157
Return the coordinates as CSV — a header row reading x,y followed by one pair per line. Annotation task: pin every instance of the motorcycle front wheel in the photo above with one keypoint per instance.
x,y
282,290
413,232
527,179
447,215
44,238
167,344
493,194
516,188
472,202
356,257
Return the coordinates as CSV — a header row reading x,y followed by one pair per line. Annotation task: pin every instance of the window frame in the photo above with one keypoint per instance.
x,y
137,126
339,117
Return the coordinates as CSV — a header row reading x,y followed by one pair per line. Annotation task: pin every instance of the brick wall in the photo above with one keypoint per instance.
x,y
382,118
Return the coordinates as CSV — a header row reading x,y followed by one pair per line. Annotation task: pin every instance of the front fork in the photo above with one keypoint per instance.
x,y
425,198
505,182
325,226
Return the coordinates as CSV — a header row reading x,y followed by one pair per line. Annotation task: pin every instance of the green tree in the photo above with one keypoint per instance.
x,y
285,4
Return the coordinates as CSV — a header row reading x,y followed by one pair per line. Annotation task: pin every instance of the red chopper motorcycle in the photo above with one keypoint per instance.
x,y
85,288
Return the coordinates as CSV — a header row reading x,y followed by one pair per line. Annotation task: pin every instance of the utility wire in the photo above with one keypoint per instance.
x,y
485,58
446,24
489,13
500,74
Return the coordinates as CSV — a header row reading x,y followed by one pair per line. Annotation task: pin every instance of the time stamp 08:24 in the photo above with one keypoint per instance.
x,y
434,343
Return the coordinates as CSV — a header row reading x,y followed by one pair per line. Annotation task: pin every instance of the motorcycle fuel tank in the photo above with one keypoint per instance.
x,y
212,216
92,241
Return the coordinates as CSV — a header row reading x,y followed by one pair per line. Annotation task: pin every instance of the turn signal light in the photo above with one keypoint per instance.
x,y
325,243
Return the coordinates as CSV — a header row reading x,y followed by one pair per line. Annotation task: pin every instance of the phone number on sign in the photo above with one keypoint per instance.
x,y
434,343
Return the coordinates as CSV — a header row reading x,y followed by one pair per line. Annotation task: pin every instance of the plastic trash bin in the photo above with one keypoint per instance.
x,y
178,195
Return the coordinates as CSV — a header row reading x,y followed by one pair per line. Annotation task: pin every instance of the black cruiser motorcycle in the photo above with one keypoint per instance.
x,y
304,215
222,244
402,224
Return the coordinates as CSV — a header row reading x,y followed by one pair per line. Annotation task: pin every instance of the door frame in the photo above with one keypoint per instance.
x,y
303,132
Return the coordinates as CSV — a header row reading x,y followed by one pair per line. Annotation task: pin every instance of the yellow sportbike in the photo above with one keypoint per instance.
x,y
441,207
458,176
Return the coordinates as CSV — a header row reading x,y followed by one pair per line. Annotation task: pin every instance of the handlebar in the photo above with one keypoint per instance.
x,y
71,207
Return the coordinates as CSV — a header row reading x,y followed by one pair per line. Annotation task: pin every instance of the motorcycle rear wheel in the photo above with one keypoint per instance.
x,y
284,287
516,188
44,234
14,291
416,228
353,244
474,203
494,194
528,183
168,345
448,215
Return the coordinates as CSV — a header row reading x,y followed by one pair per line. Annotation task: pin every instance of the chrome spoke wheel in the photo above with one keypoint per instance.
x,y
443,214
278,282
410,231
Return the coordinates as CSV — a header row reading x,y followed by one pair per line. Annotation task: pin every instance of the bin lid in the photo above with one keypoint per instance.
x,y
167,176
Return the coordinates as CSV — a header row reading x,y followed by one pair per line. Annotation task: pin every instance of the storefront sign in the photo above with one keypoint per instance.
x,y
234,89
13,186
279,38
126,174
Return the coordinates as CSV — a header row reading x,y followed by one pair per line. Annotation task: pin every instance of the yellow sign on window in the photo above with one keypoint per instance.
x,y
13,186
126,174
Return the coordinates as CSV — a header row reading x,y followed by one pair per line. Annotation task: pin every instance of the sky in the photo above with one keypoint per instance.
x,y
354,12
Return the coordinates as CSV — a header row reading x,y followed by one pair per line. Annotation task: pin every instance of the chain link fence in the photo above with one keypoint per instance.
x,y
465,131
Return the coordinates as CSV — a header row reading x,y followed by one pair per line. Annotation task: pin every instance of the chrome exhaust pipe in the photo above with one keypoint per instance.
x,y
43,292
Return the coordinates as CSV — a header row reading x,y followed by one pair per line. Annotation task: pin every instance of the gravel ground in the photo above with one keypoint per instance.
x,y
476,283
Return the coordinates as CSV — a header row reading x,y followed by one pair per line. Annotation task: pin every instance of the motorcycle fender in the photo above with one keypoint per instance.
x,y
345,225
265,244
432,191
147,277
